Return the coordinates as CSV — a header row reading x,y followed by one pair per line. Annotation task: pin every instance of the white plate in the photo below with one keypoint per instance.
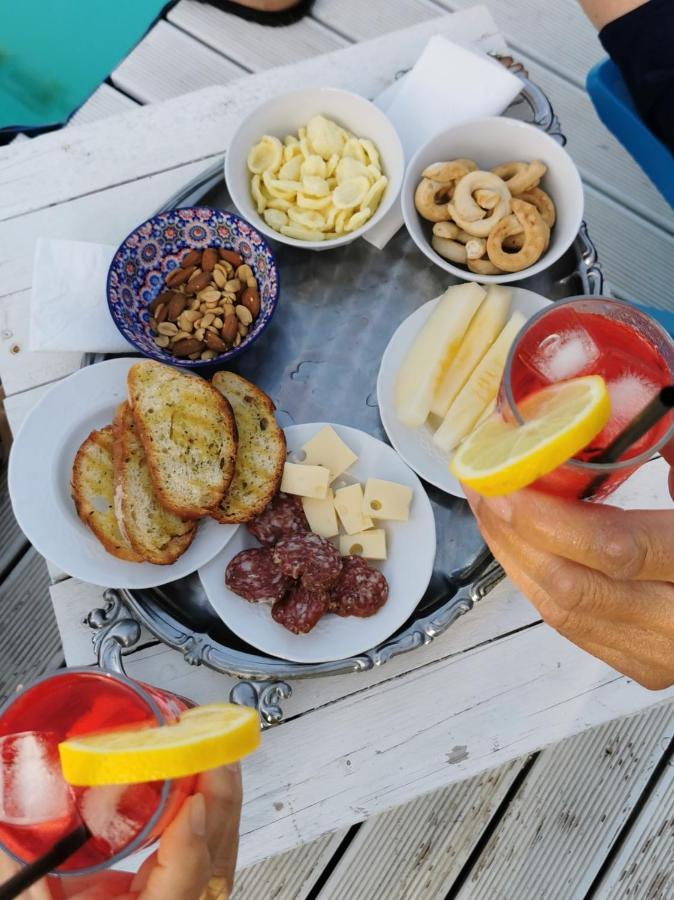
x,y
411,553
39,484
415,445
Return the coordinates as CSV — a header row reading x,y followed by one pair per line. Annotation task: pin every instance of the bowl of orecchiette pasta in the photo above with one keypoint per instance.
x,y
315,168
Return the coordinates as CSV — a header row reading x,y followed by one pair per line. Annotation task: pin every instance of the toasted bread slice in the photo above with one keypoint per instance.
x,y
92,486
188,433
158,535
261,454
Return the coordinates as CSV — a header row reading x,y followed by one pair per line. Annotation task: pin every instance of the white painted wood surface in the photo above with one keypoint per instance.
x,y
453,675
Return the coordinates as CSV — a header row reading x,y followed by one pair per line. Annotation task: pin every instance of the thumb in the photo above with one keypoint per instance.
x,y
183,863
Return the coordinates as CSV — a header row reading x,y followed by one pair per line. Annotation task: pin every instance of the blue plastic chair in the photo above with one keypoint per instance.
x,y
617,111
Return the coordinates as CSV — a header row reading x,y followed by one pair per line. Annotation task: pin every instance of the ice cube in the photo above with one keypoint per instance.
x,y
565,355
100,808
32,788
629,394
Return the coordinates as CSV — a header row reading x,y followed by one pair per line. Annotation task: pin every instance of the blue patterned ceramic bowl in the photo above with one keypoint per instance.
x,y
148,254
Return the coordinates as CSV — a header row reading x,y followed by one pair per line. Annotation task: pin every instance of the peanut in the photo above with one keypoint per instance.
x,y
244,272
233,286
162,341
217,321
207,320
167,328
242,329
219,277
208,354
208,293
244,315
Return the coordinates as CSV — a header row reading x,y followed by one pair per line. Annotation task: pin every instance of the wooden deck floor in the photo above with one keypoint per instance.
x,y
591,817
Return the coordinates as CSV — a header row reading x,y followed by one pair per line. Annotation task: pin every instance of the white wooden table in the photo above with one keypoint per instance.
x,y
499,685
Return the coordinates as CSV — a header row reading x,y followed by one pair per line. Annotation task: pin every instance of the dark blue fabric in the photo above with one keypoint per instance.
x,y
641,43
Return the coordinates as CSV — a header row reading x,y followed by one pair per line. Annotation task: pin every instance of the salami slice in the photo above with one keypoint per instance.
x,y
253,575
301,608
309,557
360,589
283,517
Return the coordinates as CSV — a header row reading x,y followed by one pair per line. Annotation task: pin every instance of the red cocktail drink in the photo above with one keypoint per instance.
x,y
594,336
37,807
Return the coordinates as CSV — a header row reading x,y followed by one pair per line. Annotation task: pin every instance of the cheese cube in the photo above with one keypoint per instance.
x,y
307,481
370,544
321,515
386,500
326,448
349,503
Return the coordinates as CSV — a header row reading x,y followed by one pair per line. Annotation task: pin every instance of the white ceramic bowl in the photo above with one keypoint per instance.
x,y
284,115
491,141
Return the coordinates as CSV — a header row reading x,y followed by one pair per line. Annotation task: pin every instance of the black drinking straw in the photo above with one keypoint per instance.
x,y
650,415
53,858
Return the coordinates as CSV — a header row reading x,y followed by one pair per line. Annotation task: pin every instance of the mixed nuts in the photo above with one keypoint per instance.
x,y
208,305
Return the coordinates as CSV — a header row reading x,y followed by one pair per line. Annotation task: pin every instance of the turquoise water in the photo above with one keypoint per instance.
x,y
55,53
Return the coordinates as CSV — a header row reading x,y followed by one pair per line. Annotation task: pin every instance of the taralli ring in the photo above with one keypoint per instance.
x,y
521,176
525,218
452,170
543,204
483,227
465,205
430,199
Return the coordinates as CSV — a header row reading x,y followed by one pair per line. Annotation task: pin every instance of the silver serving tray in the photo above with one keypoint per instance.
x,y
318,360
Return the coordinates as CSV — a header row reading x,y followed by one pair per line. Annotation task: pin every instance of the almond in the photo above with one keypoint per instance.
x,y
213,342
199,282
251,300
232,257
176,305
179,276
160,298
209,259
187,347
229,329
193,258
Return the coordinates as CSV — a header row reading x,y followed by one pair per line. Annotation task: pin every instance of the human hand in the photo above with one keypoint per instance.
x,y
196,857
601,576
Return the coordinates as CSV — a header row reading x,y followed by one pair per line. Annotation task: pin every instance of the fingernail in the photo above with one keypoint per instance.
x,y
501,507
198,815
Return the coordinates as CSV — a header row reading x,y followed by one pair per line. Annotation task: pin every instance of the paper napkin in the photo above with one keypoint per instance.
x,y
68,305
449,84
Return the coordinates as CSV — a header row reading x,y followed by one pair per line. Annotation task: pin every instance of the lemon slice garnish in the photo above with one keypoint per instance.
x,y
500,457
203,738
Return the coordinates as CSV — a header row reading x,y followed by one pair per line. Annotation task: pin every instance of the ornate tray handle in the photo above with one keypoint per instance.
x,y
115,631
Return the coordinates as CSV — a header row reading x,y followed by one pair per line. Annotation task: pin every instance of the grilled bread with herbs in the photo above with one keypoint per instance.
x,y
188,432
159,536
93,488
261,453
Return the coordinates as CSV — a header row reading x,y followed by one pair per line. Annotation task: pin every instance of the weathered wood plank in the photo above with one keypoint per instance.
x,y
168,63
29,638
642,868
416,851
56,167
19,368
104,102
251,45
558,829
289,876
